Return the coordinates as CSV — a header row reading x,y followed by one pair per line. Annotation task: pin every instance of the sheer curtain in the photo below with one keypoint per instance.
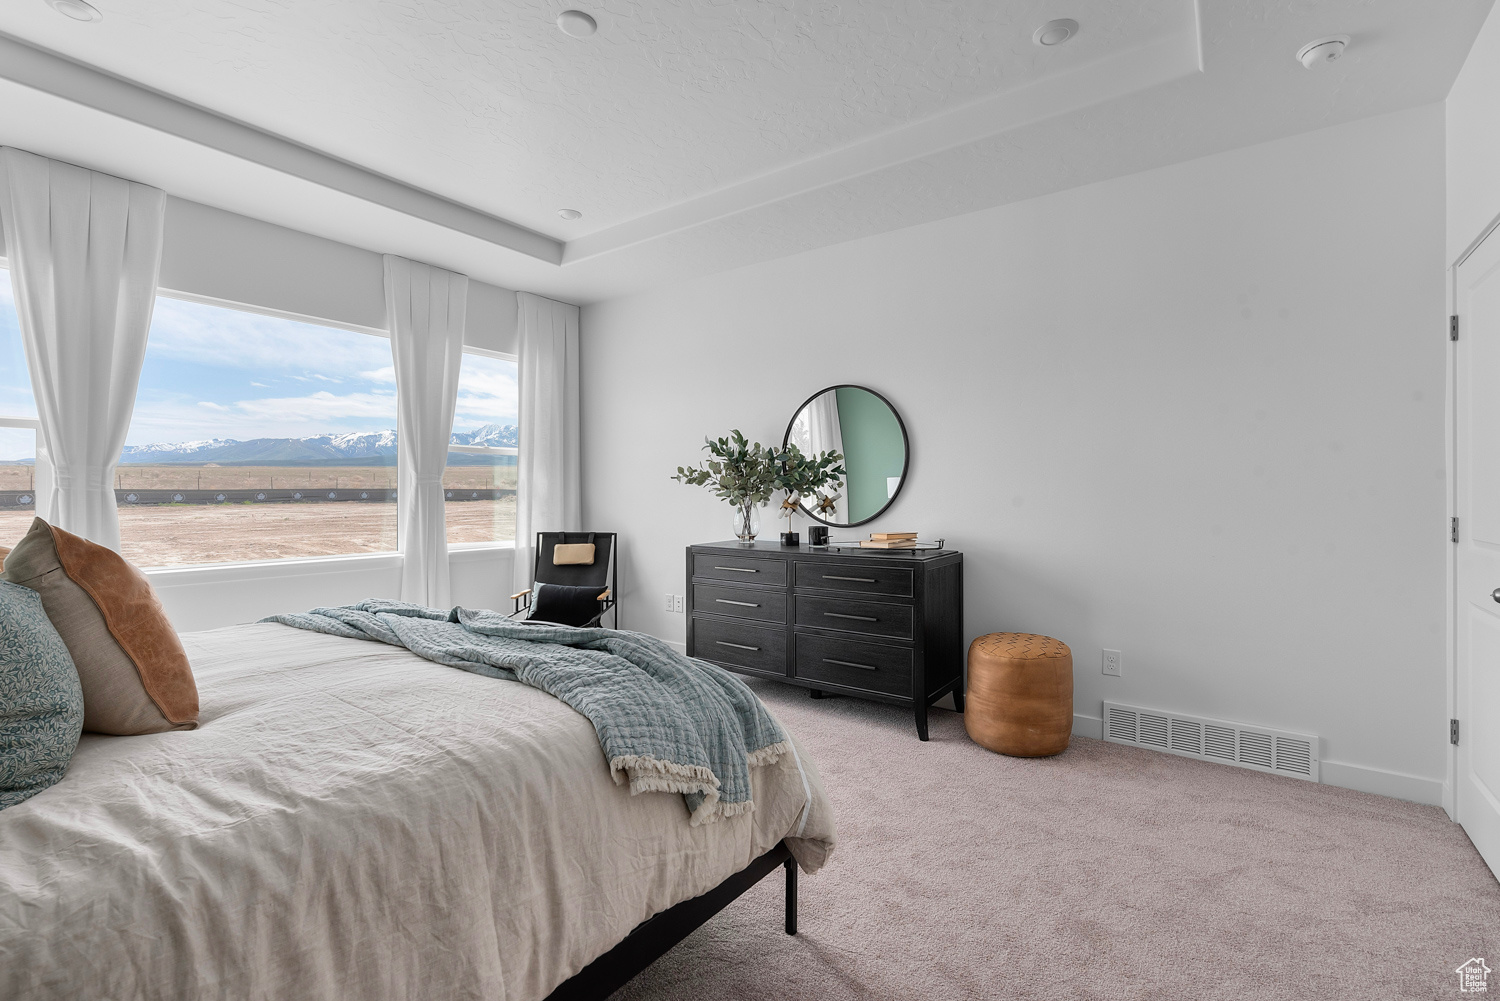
x,y
548,492
425,308
820,430
85,253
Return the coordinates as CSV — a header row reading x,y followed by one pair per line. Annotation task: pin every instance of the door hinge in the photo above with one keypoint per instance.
x,y
1453,328
1453,529
1453,732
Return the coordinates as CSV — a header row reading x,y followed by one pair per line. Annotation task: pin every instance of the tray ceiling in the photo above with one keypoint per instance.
x,y
692,135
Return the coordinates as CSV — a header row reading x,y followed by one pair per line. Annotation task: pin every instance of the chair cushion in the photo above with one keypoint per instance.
x,y
568,606
41,703
134,672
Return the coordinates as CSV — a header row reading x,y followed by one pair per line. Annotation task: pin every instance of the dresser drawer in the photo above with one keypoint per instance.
x,y
874,618
863,579
852,664
738,643
740,569
740,602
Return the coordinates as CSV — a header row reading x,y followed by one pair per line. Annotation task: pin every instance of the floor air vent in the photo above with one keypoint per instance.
x,y
1265,750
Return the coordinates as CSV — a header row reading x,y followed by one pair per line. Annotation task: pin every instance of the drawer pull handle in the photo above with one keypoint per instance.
x,y
858,618
861,580
849,663
738,646
738,569
747,604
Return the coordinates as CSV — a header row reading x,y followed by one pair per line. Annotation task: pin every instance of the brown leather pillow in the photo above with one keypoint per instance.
x,y
134,672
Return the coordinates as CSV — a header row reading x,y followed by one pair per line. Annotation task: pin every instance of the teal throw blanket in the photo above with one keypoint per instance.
x,y
666,722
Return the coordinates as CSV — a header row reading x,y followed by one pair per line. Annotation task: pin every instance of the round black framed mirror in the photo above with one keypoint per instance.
x,y
865,428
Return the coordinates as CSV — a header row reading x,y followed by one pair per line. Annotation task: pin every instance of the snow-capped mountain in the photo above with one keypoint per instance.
x,y
491,435
375,447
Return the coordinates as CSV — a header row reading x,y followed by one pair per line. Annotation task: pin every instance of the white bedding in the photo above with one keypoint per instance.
x,y
350,821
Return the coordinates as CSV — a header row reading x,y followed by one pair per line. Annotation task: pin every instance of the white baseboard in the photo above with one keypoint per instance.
x,y
1088,726
1396,785
679,646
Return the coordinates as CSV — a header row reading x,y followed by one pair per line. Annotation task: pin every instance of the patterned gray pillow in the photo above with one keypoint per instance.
x,y
41,701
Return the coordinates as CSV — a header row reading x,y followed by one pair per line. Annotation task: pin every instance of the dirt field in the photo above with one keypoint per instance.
x,y
181,534
273,477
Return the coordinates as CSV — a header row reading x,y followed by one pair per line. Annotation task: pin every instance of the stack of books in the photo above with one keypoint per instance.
x,y
890,540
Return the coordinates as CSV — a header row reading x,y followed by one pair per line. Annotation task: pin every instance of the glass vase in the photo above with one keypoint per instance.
x,y
745,521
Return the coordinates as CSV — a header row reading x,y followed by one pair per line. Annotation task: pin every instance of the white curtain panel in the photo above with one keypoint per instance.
x,y
826,434
425,309
85,253
548,489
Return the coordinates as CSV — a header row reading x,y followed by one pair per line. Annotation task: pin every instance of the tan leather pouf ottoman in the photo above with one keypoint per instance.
x,y
1020,694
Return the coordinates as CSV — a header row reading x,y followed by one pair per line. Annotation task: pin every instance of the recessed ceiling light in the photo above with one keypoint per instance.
x,y
569,214
1322,50
575,23
1055,32
76,9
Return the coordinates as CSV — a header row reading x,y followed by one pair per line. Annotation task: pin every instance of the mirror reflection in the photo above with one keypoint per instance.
x,y
863,426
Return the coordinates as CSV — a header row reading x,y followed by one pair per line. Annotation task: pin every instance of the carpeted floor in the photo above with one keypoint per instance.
x,y
1106,872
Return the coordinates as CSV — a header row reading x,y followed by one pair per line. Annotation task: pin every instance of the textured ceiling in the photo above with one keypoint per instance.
x,y
698,136
488,103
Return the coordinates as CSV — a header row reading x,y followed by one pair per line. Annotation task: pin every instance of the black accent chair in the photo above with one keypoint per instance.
x,y
600,573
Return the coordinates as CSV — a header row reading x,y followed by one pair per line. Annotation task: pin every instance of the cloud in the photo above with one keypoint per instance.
x,y
170,417
486,392
220,337
260,385
386,374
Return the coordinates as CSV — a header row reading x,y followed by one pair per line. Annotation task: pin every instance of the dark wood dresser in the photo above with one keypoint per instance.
x,y
871,623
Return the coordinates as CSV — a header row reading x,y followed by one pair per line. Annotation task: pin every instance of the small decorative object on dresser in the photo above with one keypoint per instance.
x,y
1020,694
871,623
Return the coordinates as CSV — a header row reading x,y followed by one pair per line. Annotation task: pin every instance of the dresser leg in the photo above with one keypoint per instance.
x,y
958,700
921,720
816,693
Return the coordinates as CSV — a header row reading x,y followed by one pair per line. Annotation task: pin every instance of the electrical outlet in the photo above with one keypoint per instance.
x,y
670,602
1112,662
678,601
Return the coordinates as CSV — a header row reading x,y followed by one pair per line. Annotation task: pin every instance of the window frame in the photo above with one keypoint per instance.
x,y
307,564
312,564
459,547
19,422
32,424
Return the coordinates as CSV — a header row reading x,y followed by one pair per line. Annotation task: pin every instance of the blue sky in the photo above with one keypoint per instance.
x,y
215,372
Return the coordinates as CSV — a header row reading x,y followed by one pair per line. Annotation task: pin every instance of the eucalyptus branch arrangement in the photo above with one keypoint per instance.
x,y
746,474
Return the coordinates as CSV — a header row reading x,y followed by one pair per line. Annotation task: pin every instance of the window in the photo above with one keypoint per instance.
x,y
479,485
17,425
257,437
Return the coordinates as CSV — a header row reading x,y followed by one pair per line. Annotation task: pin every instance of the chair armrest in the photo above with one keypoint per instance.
x,y
520,594
604,596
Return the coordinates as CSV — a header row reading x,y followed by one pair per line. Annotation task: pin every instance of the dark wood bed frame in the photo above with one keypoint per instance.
x,y
657,934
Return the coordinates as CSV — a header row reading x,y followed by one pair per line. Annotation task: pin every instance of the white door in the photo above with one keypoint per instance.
x,y
1477,445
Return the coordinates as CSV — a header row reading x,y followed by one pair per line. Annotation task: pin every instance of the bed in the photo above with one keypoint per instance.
x,y
350,821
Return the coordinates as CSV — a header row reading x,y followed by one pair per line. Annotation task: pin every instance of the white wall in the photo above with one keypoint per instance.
x,y
220,255
212,596
1473,137
1194,414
